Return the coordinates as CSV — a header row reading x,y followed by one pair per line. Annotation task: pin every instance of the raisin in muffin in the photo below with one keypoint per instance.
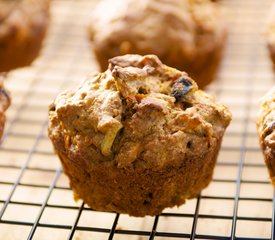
x,y
137,138
4,104
187,34
266,131
23,25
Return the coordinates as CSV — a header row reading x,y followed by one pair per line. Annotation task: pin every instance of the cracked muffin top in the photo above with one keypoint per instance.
x,y
138,113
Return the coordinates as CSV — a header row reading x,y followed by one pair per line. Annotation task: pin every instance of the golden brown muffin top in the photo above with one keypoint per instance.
x,y
159,25
139,111
266,119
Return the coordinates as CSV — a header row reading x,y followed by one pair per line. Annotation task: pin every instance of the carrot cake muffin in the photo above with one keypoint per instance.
x,y
266,131
137,138
188,35
23,25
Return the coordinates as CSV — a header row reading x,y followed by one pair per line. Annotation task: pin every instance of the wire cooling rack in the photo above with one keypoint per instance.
x,y
35,199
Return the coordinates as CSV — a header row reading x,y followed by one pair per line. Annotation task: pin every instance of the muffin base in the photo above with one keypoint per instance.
x,y
157,189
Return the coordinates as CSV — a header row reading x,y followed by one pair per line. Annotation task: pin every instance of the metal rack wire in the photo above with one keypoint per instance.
x,y
35,199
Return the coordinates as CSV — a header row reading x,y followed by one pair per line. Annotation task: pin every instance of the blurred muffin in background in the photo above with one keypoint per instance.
x,y
4,104
23,25
186,34
138,137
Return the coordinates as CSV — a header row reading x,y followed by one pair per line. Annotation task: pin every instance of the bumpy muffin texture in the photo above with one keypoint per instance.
x,y
23,25
266,131
137,138
4,104
186,34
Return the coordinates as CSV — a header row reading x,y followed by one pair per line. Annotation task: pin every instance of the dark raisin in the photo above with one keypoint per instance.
x,y
184,81
181,87
176,93
188,145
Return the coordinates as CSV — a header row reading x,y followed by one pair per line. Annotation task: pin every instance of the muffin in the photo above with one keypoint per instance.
x,y
187,34
266,131
4,104
23,26
137,138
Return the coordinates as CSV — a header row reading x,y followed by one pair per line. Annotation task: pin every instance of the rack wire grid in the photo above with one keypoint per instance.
x,y
35,199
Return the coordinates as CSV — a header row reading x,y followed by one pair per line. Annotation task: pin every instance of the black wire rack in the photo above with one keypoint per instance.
x,y
35,199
